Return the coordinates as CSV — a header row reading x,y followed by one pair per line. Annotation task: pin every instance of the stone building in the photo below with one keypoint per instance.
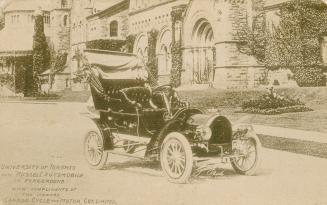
x,y
207,31
196,40
66,28
210,44
16,39
145,16
110,23
90,20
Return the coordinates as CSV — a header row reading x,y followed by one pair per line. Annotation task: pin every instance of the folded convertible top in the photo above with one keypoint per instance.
x,y
116,65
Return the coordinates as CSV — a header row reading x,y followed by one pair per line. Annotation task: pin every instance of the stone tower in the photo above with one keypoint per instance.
x,y
60,25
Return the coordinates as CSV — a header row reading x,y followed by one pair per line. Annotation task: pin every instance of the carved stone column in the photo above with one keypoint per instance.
x,y
177,17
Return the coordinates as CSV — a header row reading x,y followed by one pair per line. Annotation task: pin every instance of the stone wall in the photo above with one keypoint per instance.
x,y
233,68
99,27
60,33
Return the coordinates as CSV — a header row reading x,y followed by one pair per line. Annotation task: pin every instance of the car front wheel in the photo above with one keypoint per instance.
x,y
176,158
250,151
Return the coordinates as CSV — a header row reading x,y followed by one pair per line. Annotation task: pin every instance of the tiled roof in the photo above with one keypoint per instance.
x,y
24,5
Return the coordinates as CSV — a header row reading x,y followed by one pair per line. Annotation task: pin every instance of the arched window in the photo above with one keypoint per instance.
x,y
114,29
65,20
64,3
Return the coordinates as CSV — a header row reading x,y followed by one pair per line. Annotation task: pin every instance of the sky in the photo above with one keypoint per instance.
x,y
1,2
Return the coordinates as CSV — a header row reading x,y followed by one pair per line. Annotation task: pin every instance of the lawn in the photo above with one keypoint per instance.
x,y
230,101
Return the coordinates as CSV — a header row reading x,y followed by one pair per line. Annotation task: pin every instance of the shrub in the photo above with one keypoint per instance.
x,y
310,77
6,79
281,110
48,95
106,44
273,103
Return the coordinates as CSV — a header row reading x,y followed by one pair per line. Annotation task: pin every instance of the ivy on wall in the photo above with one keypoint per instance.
x,y
152,63
2,24
130,40
177,64
176,50
106,44
252,37
23,67
58,66
2,19
294,44
113,44
41,58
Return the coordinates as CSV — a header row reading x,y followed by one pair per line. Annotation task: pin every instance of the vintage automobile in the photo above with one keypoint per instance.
x,y
133,115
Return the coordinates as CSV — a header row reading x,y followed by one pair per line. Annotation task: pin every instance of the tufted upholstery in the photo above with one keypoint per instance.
x,y
137,96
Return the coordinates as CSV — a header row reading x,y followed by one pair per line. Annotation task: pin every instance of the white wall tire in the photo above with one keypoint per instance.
x,y
94,151
176,158
249,164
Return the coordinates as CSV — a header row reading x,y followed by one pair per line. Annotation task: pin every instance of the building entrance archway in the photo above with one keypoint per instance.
x,y
202,50
141,47
163,53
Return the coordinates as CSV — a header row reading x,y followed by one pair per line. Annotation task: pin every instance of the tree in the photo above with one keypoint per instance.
x,y
2,20
58,66
296,42
252,37
41,56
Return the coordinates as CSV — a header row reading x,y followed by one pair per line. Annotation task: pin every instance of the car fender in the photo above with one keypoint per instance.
x,y
105,133
184,113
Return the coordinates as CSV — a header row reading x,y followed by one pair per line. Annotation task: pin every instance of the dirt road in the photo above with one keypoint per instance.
x,y
52,134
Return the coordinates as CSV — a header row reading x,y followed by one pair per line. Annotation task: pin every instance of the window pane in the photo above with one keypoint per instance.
x,y
114,29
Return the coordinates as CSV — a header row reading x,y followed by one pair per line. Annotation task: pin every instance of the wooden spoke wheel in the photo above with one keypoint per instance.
x,y
94,150
249,162
176,157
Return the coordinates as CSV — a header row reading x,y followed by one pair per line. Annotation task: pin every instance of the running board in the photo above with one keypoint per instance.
x,y
132,138
218,159
125,154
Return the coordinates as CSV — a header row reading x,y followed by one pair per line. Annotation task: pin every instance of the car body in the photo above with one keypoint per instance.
x,y
134,116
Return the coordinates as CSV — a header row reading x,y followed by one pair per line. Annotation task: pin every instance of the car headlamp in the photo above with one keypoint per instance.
x,y
204,132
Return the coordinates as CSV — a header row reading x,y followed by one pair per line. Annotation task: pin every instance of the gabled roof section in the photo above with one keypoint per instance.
x,y
101,5
113,9
274,3
27,5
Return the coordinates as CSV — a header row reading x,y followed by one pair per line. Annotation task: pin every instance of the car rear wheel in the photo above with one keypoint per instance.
x,y
94,151
250,149
176,158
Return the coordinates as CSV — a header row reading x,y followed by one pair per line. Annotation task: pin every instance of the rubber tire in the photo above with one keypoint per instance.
x,y
254,168
188,157
104,157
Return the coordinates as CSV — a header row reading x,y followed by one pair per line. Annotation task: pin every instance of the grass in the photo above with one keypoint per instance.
x,y
229,102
